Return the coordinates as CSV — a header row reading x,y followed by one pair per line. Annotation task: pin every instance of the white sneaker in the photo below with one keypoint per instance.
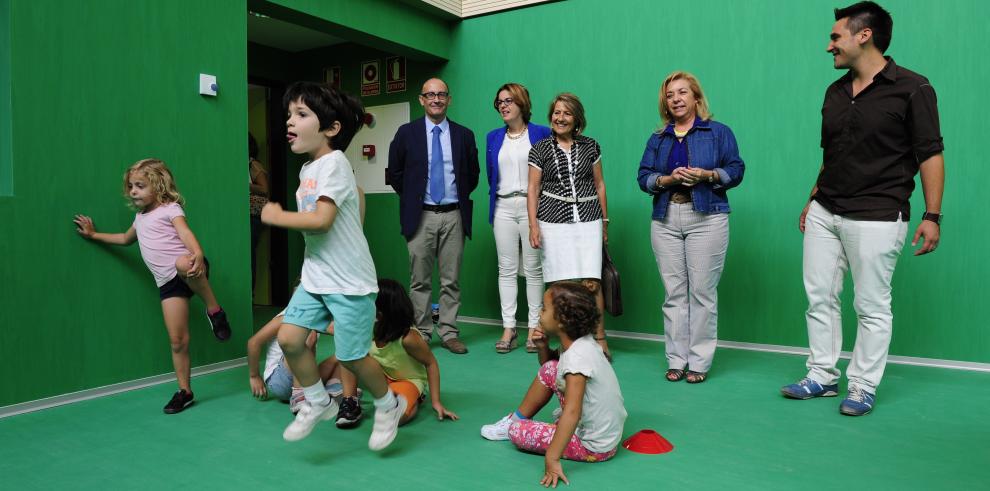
x,y
499,430
387,424
306,420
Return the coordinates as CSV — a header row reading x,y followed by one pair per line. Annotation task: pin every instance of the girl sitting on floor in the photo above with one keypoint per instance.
x,y
590,425
404,356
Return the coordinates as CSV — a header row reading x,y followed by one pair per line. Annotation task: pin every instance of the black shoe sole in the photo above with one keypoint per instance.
x,y
177,411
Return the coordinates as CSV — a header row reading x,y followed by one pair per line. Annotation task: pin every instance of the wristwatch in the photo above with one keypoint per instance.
x,y
932,217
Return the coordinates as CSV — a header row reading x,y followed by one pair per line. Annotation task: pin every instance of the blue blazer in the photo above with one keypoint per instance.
x,y
408,168
493,145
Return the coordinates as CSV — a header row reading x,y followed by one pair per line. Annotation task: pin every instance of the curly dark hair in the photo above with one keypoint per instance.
x,y
396,311
575,308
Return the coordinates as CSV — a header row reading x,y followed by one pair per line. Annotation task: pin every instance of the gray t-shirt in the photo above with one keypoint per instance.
x,y
602,410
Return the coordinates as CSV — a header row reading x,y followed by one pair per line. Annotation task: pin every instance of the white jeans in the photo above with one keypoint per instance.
x,y
833,244
690,251
511,226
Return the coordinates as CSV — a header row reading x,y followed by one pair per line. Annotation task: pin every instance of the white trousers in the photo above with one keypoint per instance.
x,y
690,251
832,245
511,227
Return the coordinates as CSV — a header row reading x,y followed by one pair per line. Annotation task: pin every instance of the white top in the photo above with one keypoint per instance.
x,y
513,164
337,261
602,410
159,241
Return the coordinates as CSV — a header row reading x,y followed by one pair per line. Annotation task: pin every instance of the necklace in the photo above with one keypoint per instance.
x,y
516,137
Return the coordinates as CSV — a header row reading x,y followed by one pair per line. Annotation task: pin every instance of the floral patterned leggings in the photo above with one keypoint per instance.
x,y
535,436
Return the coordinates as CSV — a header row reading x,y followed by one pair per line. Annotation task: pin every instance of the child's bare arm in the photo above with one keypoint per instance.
x,y
418,349
189,240
264,335
573,398
318,221
86,228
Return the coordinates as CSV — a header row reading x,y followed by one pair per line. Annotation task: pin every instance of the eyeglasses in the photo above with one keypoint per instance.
x,y
435,95
500,102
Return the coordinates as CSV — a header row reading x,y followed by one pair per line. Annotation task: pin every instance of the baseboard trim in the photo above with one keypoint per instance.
x,y
772,348
84,395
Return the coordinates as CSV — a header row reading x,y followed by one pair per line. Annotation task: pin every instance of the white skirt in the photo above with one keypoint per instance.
x,y
571,250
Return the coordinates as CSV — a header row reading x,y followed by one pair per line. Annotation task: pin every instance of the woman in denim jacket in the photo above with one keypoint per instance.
x,y
687,167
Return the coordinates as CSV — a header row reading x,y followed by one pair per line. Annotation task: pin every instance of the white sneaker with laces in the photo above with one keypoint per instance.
x,y
499,430
387,425
307,418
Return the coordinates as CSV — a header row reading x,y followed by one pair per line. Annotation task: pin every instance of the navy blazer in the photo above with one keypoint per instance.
x,y
493,145
408,170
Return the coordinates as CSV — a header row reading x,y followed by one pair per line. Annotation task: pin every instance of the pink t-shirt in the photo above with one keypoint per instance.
x,y
159,241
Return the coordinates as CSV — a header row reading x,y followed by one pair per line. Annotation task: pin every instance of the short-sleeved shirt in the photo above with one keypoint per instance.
x,y
569,175
874,143
399,365
337,261
159,241
603,412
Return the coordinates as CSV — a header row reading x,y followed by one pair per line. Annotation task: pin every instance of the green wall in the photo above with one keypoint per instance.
x,y
6,160
764,68
97,86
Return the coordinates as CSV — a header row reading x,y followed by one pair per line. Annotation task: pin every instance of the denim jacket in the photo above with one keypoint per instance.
x,y
711,146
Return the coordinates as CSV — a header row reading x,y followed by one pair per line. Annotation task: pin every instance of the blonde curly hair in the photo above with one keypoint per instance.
x,y
160,179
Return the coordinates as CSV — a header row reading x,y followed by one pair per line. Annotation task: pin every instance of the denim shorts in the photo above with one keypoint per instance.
x,y
279,383
353,317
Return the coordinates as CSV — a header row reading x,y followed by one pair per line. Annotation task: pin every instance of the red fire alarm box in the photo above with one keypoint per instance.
x,y
368,151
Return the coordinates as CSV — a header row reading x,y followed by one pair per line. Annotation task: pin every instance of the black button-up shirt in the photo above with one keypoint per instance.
x,y
874,142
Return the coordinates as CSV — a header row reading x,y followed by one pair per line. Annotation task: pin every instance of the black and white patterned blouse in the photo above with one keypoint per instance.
x,y
567,183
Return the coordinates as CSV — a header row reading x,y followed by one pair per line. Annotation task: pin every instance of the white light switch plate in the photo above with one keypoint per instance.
x,y
208,84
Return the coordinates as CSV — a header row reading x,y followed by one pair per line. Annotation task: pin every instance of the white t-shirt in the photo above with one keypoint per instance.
x,y
159,241
337,261
602,410
513,164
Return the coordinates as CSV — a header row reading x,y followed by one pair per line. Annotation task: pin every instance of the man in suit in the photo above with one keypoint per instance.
x,y
433,166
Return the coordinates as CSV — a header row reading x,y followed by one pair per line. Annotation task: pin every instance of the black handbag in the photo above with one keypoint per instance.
x,y
611,289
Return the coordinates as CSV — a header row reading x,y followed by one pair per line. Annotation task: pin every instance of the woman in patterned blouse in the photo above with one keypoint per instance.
x,y
568,212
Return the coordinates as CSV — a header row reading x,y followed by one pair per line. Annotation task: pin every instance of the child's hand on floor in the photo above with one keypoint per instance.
x,y
443,412
258,388
552,473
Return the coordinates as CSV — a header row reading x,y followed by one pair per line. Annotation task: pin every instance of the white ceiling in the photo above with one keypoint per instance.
x,y
286,36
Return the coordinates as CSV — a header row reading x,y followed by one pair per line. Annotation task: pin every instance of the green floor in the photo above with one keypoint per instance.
x,y
735,431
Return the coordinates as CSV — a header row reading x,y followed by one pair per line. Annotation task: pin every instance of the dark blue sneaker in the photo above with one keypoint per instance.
x,y
858,402
807,388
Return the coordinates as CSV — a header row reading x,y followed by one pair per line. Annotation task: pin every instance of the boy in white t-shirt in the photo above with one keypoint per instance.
x,y
338,275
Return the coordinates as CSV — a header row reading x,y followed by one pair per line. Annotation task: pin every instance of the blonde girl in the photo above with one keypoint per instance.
x,y
173,255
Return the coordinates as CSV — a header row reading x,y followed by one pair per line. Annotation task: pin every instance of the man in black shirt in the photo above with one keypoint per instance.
x,y
879,128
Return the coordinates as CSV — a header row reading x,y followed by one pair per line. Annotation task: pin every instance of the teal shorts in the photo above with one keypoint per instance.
x,y
353,317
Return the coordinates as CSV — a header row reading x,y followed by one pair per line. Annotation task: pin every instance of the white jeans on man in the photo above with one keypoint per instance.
x,y
833,244
690,248
511,226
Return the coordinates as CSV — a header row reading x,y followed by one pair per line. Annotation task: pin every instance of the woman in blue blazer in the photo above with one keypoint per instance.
x,y
507,158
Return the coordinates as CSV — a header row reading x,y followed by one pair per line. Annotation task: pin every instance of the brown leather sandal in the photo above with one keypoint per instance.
x,y
503,347
675,375
696,377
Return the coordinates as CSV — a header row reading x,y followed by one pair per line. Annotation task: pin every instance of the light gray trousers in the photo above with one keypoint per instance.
x,y
690,251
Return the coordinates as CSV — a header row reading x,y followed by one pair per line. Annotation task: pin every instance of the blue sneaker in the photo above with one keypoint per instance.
x,y
807,388
858,402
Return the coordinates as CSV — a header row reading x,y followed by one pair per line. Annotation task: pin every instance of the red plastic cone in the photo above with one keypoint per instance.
x,y
647,441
